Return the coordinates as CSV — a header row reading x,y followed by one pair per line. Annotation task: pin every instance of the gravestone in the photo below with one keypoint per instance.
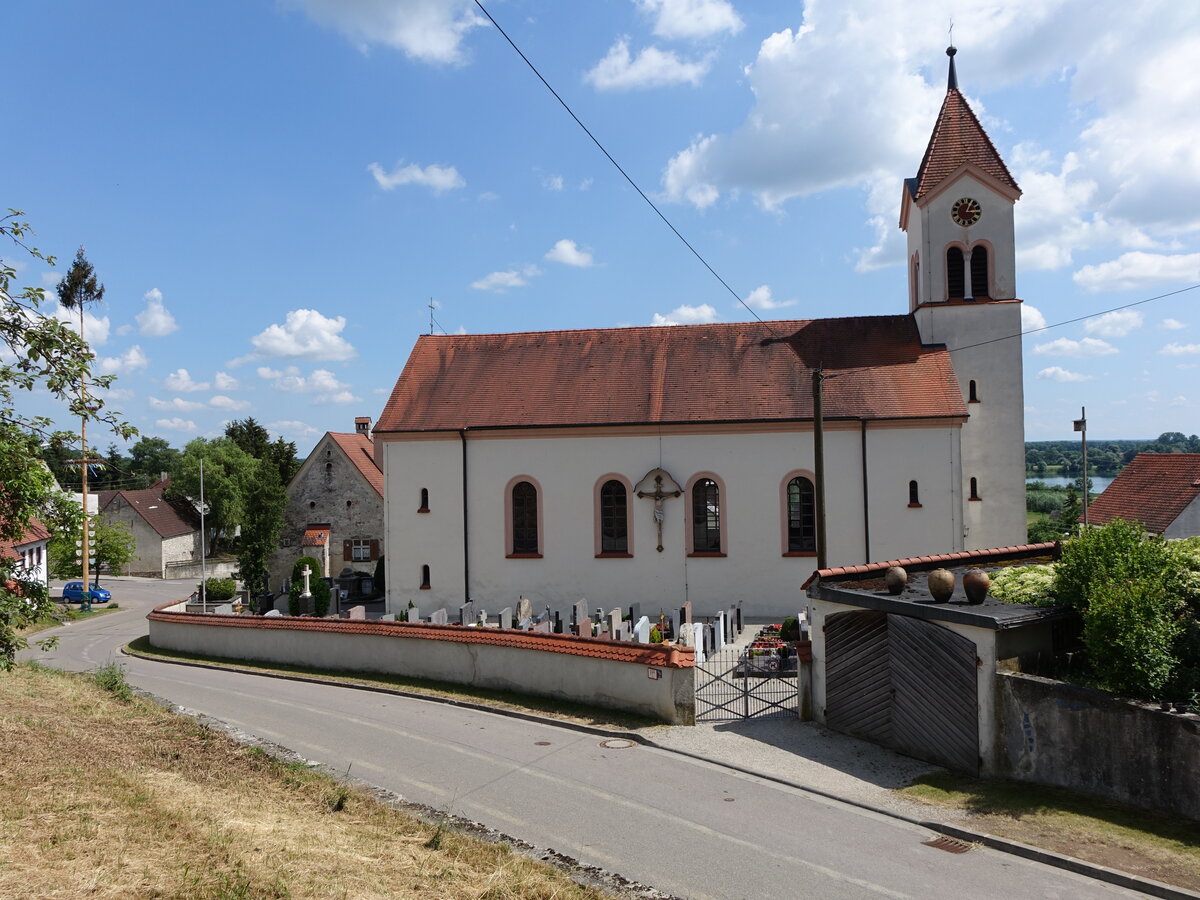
x,y
731,629
542,627
272,613
558,629
740,626
584,629
698,641
614,623
524,609
438,618
388,617
358,612
674,619
641,630
685,613
525,624
686,636
482,620
466,614
719,632
412,614
635,612
544,616
506,617
578,614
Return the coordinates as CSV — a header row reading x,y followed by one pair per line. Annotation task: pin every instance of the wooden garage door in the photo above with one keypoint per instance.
x,y
858,684
935,702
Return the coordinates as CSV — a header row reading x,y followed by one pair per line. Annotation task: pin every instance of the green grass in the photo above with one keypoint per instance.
x,y
64,614
562,709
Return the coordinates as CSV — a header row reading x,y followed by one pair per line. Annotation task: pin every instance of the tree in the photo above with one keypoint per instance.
x,y
228,474
114,546
151,457
38,352
262,522
255,440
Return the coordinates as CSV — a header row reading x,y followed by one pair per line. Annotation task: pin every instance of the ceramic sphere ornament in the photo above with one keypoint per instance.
x,y
895,578
941,584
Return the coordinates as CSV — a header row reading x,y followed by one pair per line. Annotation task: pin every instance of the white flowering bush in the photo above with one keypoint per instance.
x,y
1027,585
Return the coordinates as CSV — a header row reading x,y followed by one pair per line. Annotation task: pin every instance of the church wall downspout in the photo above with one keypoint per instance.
x,y
462,435
866,496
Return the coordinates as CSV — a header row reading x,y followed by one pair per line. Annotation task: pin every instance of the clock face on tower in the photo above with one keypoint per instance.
x,y
966,211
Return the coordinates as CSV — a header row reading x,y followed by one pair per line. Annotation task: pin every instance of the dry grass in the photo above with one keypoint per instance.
x,y
105,799
1158,847
579,713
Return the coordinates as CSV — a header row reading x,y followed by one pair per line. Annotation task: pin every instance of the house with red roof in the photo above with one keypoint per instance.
x,y
1159,490
664,464
334,508
30,553
166,532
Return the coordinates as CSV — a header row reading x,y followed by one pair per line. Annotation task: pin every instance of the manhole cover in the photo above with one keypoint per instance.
x,y
541,743
949,844
616,744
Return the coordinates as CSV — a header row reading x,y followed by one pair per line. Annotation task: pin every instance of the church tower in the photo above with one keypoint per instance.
x,y
958,215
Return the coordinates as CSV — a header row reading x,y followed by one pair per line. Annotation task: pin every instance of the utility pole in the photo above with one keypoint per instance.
x,y
818,379
1081,427
202,508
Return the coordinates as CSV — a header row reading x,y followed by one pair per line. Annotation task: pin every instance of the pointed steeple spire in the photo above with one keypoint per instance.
x,y
957,138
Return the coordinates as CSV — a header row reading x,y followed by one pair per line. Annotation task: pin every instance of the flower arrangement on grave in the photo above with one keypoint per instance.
x,y
655,635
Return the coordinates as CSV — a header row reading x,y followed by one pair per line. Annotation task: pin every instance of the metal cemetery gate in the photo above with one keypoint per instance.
x,y
904,683
731,685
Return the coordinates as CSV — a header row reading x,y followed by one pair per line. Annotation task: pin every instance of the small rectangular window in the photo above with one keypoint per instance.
x,y
360,550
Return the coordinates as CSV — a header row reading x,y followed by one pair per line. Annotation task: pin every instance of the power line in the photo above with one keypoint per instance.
x,y
617,165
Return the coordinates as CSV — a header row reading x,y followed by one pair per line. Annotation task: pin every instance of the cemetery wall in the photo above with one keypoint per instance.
x,y
650,679
1086,740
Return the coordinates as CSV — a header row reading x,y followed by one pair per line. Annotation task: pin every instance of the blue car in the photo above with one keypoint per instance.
x,y
73,593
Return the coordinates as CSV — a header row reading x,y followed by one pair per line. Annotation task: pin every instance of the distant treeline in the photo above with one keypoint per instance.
x,y
1105,458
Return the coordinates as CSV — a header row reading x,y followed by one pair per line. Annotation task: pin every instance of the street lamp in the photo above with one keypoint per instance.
x,y
202,508
1081,427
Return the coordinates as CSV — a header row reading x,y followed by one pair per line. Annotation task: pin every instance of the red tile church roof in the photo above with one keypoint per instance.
x,y
876,368
1153,489
958,138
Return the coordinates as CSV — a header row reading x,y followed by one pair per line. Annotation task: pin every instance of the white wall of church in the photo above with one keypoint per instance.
x,y
937,231
751,466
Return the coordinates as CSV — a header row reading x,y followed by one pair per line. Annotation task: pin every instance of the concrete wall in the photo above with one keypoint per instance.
x,y
1089,741
752,463
652,680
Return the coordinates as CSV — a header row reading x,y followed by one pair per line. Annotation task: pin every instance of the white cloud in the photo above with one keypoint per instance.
x,y
155,320
306,334
567,253
500,282
1179,401
180,380
1083,349
95,328
1057,373
687,315
321,384
220,401
1173,325
1114,324
131,360
426,30
292,427
438,179
650,68
1131,271
1180,349
177,424
123,330
691,19
223,382
1031,318
553,183
175,403
760,298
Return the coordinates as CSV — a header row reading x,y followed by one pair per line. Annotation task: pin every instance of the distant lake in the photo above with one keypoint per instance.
x,y
1098,483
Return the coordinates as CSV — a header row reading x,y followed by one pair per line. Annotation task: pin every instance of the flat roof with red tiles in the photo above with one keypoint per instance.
x,y
1154,490
359,449
876,368
168,518
315,537
958,139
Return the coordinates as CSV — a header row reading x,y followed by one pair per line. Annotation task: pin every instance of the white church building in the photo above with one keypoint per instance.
x,y
664,464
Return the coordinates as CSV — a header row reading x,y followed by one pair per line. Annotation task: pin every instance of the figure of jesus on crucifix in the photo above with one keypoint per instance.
x,y
664,486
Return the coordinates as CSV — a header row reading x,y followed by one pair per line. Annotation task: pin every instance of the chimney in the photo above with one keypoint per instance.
x,y
362,425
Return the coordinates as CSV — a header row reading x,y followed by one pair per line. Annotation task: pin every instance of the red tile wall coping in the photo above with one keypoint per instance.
x,y
661,655
993,554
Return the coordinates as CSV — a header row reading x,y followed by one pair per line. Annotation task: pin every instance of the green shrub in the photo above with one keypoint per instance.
x,y
1117,553
1130,628
297,587
1047,500
655,635
111,677
790,629
218,590
321,593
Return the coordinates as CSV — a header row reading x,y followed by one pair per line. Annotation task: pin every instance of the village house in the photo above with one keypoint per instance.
x,y
30,552
334,509
166,532
1159,490
678,463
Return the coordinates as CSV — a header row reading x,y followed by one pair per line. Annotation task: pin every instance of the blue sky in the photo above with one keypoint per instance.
x,y
273,192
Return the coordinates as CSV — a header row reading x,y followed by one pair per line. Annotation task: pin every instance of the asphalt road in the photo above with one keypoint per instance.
x,y
686,827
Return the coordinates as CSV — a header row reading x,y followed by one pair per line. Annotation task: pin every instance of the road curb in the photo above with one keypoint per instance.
x,y
1003,845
